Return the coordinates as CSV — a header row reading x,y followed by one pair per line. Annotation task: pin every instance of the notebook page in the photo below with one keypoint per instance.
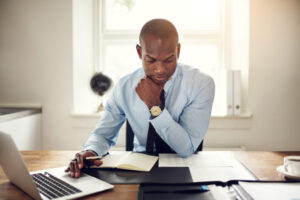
x,y
113,159
138,161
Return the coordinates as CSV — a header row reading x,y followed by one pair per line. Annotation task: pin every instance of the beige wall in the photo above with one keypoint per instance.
x,y
274,82
275,73
36,67
36,62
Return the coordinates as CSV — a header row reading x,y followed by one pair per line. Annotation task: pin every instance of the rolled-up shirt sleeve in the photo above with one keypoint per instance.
x,y
185,135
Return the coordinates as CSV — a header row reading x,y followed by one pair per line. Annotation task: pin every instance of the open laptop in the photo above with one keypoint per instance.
x,y
45,184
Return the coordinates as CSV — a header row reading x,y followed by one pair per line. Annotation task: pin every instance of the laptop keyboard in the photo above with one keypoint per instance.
x,y
52,187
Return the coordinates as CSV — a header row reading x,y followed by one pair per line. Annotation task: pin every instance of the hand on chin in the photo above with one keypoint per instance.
x,y
149,90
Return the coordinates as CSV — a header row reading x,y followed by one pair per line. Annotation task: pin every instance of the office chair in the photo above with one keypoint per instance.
x,y
130,137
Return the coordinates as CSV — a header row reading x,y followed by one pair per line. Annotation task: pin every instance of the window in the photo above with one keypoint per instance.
x,y
206,29
201,39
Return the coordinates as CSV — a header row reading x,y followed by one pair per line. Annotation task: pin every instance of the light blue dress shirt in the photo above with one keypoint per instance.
x,y
189,96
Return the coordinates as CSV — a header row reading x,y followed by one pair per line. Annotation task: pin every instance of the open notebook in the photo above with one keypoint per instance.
x,y
128,160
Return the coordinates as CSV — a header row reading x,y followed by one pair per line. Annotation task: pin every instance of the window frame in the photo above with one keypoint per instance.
x,y
220,37
90,37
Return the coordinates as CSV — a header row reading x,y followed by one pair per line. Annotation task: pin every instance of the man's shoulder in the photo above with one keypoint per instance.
x,y
195,82
193,76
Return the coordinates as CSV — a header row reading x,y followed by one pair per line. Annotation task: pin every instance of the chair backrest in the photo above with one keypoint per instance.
x,y
130,137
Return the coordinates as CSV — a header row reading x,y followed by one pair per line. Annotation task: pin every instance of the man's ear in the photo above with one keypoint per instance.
x,y
139,50
178,50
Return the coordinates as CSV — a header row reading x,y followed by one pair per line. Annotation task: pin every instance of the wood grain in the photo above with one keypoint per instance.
x,y
261,164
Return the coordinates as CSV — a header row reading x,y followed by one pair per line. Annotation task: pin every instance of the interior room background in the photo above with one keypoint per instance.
x,y
50,49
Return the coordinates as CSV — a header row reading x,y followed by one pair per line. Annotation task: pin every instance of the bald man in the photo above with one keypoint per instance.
x,y
167,104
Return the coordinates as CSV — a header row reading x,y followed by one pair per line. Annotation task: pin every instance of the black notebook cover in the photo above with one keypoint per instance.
x,y
157,174
189,191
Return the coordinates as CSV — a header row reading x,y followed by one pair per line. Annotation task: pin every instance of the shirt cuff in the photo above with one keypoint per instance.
x,y
163,121
95,149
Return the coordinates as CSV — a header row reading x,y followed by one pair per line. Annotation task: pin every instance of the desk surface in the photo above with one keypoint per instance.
x,y
262,164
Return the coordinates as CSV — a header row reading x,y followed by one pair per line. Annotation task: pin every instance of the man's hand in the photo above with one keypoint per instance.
x,y
79,162
149,92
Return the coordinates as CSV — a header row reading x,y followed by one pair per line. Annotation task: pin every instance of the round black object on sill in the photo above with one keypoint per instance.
x,y
100,83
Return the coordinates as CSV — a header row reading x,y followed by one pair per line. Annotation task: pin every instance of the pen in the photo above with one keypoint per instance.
x,y
96,157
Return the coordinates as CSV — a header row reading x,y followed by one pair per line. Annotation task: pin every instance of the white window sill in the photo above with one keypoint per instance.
x,y
235,122
243,121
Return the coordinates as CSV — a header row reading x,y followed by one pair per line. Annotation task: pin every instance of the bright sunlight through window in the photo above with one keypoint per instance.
x,y
206,29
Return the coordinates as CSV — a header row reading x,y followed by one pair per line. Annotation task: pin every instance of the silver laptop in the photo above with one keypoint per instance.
x,y
45,184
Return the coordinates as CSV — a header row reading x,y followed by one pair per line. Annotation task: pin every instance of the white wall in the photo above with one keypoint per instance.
x,y
36,67
274,82
36,62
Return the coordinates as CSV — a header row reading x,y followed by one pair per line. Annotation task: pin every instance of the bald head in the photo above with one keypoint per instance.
x,y
159,50
159,28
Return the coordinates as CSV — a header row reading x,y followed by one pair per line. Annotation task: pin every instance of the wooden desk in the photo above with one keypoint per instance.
x,y
262,164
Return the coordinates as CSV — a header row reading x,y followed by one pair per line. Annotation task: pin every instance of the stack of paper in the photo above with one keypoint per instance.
x,y
274,191
209,166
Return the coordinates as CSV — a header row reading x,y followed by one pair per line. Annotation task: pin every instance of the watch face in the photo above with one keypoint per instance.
x,y
155,111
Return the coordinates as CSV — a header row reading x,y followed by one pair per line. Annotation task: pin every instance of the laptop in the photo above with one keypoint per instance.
x,y
45,184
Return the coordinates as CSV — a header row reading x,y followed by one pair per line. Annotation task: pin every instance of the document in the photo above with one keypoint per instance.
x,y
209,166
274,191
128,160
223,174
201,159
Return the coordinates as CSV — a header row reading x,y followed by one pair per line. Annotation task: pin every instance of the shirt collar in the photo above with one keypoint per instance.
x,y
171,80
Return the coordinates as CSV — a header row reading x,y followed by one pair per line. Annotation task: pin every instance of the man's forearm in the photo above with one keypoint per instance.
x,y
175,135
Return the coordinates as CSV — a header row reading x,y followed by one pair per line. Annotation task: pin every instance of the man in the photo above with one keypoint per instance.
x,y
170,100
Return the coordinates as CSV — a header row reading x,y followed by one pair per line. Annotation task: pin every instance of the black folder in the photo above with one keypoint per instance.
x,y
195,191
157,174
173,191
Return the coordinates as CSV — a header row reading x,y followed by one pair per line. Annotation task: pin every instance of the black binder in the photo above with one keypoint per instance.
x,y
198,190
157,174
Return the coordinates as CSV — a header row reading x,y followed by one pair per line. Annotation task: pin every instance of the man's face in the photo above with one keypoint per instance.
x,y
159,57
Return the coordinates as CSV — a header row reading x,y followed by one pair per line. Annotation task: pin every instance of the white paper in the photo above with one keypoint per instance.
x,y
209,166
274,191
201,159
223,174
212,174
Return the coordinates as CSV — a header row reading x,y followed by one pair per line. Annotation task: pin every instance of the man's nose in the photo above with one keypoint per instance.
x,y
159,68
